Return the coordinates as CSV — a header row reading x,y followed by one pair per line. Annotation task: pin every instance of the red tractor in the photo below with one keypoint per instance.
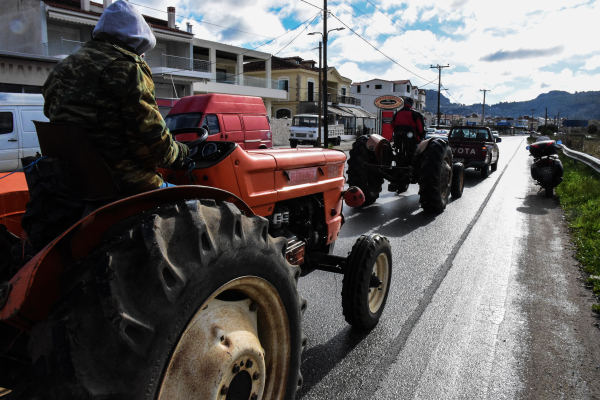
x,y
184,292
403,161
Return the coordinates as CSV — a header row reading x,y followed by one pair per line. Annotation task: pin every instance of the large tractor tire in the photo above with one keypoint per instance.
x,y
435,176
191,300
367,281
358,174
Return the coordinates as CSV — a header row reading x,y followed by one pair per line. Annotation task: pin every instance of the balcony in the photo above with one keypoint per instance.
x,y
62,48
251,81
334,99
179,66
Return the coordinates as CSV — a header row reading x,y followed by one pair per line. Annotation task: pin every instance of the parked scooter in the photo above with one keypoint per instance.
x,y
546,170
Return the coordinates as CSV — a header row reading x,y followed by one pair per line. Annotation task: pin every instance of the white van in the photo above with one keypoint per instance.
x,y
304,130
18,138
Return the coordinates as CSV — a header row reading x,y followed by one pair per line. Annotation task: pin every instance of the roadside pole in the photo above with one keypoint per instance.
x,y
439,68
319,102
483,106
324,91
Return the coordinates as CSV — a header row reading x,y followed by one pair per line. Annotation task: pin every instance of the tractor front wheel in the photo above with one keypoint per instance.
x,y
188,300
367,281
293,144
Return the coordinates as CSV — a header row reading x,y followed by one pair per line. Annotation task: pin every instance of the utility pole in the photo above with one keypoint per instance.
x,y
546,118
324,90
439,68
483,106
532,110
557,121
319,102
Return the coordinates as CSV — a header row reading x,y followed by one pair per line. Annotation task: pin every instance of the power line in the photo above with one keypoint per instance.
x,y
363,13
405,31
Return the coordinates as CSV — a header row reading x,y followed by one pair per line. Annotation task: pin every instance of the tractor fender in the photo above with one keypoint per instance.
x,y
382,149
36,287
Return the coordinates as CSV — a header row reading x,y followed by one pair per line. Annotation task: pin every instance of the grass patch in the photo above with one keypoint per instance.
x,y
579,195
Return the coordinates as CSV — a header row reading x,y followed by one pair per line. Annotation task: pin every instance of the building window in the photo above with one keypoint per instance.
x,y
377,86
6,122
367,85
408,88
343,91
357,88
283,113
284,85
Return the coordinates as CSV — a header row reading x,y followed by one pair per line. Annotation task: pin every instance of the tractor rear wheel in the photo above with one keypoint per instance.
x,y
188,300
358,174
458,180
435,177
367,281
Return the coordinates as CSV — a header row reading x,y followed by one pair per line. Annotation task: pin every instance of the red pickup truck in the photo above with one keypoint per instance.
x,y
475,147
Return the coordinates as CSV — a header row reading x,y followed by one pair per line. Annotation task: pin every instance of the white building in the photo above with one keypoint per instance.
x,y
38,34
368,91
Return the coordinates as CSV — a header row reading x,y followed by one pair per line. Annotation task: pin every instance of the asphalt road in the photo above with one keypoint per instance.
x,y
462,303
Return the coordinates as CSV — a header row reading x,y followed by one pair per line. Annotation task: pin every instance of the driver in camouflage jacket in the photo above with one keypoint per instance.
x,y
107,88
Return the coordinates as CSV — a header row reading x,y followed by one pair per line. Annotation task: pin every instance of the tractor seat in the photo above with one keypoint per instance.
x,y
91,178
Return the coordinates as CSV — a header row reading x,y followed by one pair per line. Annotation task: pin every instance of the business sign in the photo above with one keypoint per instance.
x,y
503,124
575,123
388,102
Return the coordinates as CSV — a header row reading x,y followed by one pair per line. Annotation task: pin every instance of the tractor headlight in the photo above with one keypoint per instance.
x,y
311,135
409,135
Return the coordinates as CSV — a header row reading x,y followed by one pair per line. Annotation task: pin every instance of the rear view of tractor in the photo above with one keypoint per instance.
x,y
406,161
184,292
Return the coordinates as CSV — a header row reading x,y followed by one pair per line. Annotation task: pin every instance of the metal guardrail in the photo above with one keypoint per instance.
x,y
581,157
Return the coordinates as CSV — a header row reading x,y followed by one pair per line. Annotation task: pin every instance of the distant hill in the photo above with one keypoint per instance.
x,y
582,105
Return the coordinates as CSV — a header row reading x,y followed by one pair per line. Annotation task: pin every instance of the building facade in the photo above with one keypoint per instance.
x,y
41,33
368,91
300,79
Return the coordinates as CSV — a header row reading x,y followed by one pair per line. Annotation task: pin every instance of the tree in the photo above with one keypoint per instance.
x,y
593,128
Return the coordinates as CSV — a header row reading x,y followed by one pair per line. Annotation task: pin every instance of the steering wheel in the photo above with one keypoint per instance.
x,y
193,145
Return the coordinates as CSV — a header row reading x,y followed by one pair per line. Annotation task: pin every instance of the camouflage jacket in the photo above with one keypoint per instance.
x,y
109,91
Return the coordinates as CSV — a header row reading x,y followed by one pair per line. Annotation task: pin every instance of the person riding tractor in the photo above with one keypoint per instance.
x,y
105,89
408,119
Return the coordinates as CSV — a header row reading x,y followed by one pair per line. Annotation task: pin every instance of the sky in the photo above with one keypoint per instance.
x,y
517,49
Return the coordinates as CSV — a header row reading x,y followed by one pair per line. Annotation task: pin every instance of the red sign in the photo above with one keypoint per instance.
x,y
389,102
386,127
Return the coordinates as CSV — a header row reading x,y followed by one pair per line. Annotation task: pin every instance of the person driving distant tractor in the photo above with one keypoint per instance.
x,y
107,88
409,119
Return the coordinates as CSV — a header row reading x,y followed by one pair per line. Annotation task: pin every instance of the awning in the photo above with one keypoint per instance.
x,y
338,111
358,112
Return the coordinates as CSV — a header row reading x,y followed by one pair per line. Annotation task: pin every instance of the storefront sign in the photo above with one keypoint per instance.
x,y
388,102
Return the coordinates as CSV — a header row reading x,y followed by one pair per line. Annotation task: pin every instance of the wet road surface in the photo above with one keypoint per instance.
x,y
462,302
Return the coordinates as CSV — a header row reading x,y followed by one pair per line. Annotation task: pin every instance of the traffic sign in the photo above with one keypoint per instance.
x,y
575,123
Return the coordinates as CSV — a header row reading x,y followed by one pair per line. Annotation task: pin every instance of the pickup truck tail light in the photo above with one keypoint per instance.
x,y
484,149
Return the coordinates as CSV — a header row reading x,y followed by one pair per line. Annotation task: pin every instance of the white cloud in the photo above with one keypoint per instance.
x,y
592,63
551,33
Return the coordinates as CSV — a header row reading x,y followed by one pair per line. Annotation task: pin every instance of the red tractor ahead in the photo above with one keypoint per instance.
x,y
179,293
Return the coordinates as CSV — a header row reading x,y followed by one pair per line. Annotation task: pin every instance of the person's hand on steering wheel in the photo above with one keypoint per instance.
x,y
192,145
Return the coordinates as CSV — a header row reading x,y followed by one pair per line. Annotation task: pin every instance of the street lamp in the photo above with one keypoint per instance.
x,y
325,36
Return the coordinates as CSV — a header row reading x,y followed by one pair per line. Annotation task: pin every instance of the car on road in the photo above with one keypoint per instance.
x,y
496,136
475,147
